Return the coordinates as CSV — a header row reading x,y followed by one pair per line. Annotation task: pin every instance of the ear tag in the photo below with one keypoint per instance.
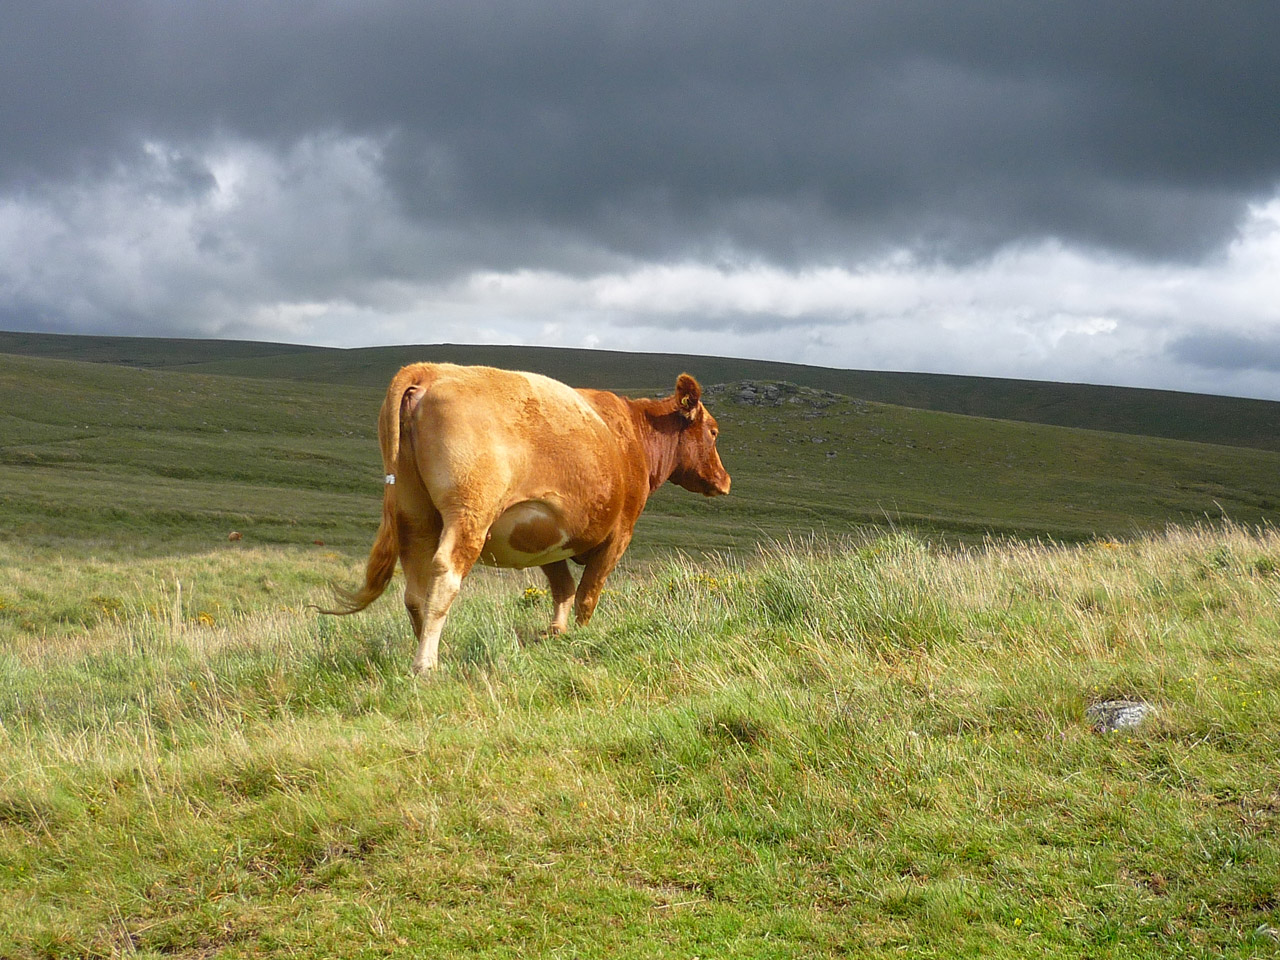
x,y
391,479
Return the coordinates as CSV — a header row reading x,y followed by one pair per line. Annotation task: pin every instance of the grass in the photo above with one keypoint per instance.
x,y
828,749
159,461
841,712
848,463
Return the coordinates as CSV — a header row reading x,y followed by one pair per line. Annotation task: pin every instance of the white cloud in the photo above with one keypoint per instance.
x,y
1039,311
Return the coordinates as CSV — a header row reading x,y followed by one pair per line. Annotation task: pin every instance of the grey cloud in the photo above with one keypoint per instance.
x,y
1227,352
797,132
738,322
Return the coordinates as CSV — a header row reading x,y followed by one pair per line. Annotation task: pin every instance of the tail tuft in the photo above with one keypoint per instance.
x,y
379,570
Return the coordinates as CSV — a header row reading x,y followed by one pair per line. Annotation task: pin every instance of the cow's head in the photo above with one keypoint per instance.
x,y
698,466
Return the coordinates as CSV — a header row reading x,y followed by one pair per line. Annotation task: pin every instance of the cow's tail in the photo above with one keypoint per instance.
x,y
386,545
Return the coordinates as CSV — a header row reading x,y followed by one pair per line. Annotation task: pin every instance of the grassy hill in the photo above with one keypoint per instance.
x,y
1161,413
874,748
160,460
867,742
148,352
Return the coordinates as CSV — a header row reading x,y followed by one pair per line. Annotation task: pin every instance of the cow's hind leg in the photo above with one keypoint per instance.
x,y
599,565
562,587
419,539
461,540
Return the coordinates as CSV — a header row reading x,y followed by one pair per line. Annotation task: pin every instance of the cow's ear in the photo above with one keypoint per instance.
x,y
688,395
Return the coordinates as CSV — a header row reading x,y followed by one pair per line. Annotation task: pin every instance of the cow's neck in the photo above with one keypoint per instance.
x,y
659,425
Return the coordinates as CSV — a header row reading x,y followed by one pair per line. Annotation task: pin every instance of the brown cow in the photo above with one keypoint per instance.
x,y
518,470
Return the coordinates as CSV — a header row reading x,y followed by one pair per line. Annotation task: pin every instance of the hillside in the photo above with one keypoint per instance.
x,y
1160,413
146,352
840,712
162,460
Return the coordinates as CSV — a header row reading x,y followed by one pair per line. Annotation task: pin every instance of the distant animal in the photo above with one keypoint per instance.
x,y
235,535
515,469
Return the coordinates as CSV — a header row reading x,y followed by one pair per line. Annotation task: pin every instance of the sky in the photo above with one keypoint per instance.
x,y
1079,190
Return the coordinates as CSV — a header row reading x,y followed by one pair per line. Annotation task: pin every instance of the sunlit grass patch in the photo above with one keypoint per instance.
x,y
831,748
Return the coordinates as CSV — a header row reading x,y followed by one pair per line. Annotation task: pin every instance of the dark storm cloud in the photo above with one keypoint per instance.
x,y
1227,352
793,132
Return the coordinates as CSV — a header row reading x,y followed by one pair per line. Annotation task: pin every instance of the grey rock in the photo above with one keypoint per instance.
x,y
764,393
1108,716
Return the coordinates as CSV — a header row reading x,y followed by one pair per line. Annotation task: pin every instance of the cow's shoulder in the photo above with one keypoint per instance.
x,y
619,416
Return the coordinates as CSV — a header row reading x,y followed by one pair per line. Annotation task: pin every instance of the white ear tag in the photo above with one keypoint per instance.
x,y
391,479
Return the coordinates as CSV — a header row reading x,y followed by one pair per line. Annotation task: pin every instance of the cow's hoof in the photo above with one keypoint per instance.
x,y
424,668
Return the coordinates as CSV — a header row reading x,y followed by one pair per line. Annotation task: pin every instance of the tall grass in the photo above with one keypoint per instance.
x,y
827,749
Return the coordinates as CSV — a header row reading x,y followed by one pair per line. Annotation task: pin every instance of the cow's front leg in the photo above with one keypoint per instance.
x,y
599,565
562,587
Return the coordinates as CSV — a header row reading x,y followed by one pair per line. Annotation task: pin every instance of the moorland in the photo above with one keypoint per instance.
x,y
841,712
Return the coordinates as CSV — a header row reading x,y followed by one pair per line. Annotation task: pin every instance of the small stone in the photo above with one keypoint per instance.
x,y
1108,716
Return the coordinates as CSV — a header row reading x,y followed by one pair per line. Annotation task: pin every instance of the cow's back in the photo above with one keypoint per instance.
x,y
485,439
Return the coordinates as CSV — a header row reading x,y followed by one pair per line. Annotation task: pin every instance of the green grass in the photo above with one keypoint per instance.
x,y
160,461
854,748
